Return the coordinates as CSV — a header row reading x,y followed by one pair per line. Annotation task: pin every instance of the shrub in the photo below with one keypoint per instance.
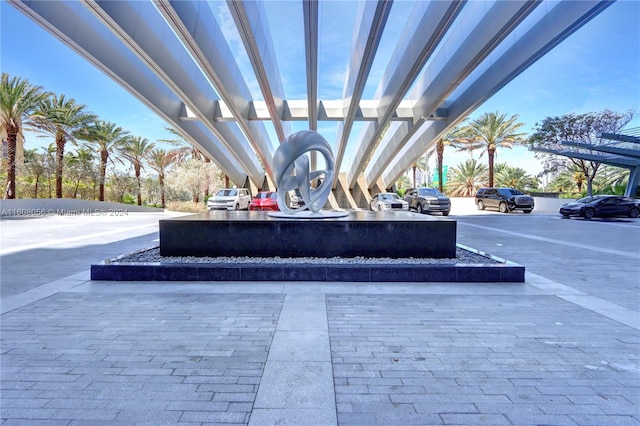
x,y
186,207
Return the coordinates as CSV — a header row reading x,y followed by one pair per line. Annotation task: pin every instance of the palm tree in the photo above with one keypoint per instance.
x,y
466,178
105,137
514,177
184,150
160,160
18,102
492,131
420,163
136,149
569,180
65,120
458,139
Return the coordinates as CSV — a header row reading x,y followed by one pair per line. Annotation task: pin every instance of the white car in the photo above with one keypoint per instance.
x,y
230,199
387,201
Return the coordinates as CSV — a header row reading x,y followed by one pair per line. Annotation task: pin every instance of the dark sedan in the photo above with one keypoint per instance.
x,y
601,206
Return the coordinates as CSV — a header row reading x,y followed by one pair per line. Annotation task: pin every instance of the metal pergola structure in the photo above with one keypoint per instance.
x,y
617,149
451,57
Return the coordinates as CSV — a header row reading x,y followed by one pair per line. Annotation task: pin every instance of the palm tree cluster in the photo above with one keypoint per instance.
x,y
27,106
485,134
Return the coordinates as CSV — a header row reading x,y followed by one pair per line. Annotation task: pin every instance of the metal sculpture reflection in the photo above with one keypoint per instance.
x,y
291,171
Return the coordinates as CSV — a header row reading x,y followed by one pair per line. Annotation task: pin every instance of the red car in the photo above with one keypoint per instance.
x,y
265,201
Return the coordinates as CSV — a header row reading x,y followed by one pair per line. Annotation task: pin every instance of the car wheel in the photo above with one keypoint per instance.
x,y
480,205
503,207
589,213
527,211
237,207
634,212
419,209
445,213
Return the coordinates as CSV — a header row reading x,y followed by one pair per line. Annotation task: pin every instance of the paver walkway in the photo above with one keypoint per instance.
x,y
562,348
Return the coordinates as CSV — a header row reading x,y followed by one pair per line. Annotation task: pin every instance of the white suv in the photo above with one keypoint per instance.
x,y
230,199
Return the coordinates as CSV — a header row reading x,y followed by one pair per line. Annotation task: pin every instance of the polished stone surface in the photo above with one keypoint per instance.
x,y
361,233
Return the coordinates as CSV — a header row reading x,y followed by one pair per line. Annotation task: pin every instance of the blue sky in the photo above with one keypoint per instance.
x,y
596,68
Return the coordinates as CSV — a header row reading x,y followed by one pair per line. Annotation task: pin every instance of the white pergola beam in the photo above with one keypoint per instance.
x,y
197,28
555,25
138,24
427,27
451,66
76,27
250,19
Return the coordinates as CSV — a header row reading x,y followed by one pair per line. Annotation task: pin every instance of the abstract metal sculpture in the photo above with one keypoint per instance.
x,y
291,171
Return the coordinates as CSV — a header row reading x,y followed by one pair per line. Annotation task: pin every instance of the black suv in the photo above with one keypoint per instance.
x,y
504,199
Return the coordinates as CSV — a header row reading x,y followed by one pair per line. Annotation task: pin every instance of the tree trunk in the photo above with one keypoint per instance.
x,y
60,142
12,142
104,157
414,175
161,182
137,168
440,154
490,154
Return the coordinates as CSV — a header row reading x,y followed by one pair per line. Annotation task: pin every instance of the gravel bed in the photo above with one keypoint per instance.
x,y
152,255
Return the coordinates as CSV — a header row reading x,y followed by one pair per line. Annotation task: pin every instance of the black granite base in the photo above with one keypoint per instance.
x,y
256,234
498,271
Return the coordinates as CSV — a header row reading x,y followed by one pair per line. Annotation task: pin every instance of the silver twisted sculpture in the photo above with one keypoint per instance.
x,y
291,171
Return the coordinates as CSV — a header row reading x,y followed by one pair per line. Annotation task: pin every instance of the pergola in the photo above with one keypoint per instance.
x,y
450,58
615,149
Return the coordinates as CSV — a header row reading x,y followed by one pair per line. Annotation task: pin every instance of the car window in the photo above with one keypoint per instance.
x,y
389,197
429,192
509,191
227,192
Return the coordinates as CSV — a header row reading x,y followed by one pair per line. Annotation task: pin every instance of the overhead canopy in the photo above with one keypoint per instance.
x,y
614,149
175,57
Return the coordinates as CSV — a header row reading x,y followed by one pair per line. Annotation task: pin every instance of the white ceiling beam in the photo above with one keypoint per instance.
x,y
555,25
427,27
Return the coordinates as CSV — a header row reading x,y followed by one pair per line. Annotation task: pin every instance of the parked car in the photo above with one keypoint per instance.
x,y
266,200
601,206
504,199
296,200
385,201
230,199
427,200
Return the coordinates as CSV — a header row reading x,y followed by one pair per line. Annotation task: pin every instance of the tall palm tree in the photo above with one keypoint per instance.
x,y
105,138
65,120
135,149
18,102
458,139
492,131
160,160
420,163
466,178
